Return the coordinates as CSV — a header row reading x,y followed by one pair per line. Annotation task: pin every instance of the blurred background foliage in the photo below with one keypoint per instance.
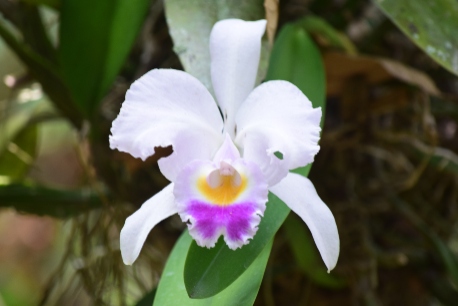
x,y
388,165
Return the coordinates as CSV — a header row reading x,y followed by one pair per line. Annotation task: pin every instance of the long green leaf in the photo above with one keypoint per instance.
x,y
431,25
46,201
242,292
46,73
190,23
294,58
319,26
147,299
95,39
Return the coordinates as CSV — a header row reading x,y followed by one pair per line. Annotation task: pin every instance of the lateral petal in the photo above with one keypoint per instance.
x,y
300,195
235,48
168,107
139,224
278,117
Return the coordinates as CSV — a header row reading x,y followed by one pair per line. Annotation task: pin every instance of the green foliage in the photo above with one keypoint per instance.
x,y
147,299
45,72
241,292
46,201
296,58
431,25
95,39
319,26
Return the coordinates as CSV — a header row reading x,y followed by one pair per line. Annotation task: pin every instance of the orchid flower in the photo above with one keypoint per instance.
x,y
226,160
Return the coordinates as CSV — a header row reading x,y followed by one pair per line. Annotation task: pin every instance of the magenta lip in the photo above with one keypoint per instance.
x,y
210,219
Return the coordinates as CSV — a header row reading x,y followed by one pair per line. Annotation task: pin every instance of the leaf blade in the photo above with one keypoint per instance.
x,y
431,25
241,292
94,44
44,201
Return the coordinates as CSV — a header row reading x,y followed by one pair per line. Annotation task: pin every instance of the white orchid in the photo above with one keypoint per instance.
x,y
223,166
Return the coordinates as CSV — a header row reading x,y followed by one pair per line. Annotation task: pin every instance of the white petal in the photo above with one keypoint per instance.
x,y
168,107
139,224
300,195
278,117
235,48
259,150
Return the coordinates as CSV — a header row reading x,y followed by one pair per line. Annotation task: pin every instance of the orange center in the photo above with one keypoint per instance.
x,y
224,194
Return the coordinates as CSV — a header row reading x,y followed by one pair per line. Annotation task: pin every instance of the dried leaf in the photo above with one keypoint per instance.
x,y
341,67
271,7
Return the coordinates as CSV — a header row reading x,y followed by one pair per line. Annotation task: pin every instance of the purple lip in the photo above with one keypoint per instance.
x,y
211,220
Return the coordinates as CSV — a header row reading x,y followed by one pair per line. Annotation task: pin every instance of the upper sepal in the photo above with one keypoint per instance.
x,y
235,50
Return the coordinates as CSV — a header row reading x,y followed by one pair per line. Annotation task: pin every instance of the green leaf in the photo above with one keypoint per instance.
x,y
319,26
242,292
306,254
295,58
147,299
46,73
27,18
95,39
431,25
46,201
190,23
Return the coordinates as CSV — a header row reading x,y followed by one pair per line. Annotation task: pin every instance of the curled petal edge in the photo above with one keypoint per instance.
x,y
278,117
168,107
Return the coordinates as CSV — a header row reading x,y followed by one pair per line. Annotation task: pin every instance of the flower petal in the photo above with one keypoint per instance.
x,y
139,224
232,207
235,49
300,195
168,107
278,117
